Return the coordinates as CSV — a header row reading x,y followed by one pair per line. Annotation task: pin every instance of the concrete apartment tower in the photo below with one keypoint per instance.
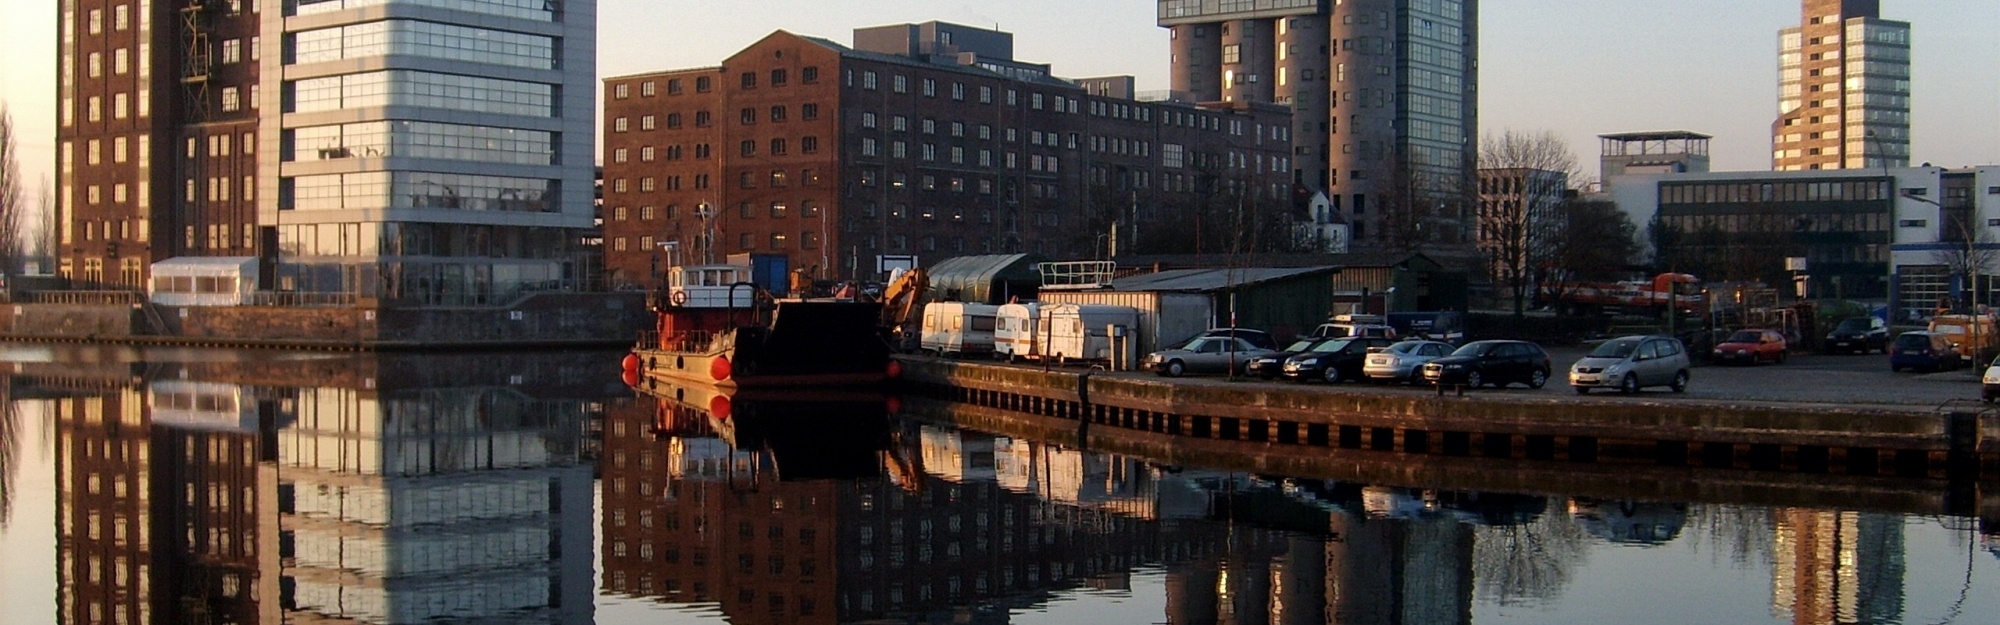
x,y
1843,89
1384,92
409,150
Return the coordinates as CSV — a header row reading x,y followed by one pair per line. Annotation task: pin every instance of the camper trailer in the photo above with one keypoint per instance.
x,y
1082,332
958,328
1014,330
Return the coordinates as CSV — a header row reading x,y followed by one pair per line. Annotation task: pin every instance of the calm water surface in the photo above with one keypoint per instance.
x,y
267,487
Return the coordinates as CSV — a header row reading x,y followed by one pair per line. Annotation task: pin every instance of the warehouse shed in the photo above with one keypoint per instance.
x,y
988,279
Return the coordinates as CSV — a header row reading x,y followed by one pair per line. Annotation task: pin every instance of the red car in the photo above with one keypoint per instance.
x,y
1752,346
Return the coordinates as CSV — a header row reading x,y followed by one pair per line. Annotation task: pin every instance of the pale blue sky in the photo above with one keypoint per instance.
x,y
1577,67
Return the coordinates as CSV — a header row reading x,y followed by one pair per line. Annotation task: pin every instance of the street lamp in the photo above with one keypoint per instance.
x,y
1971,263
704,212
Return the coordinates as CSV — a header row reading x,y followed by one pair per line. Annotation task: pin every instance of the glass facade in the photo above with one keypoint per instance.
x,y
1728,230
424,39
433,140
436,172
421,89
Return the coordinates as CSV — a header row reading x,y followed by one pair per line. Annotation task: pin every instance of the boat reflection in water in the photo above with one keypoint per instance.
x,y
368,489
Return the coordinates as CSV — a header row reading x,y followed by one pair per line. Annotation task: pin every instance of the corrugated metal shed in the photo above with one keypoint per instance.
x,y
989,279
1180,303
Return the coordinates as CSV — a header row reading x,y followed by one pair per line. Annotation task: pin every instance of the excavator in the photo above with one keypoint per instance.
x,y
902,304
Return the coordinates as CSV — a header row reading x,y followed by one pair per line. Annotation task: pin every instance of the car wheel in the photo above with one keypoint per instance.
x,y
1538,379
1331,375
1680,384
1474,380
1629,385
1582,390
1176,368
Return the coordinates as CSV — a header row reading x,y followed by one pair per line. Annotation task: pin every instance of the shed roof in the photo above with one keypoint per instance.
x,y
1209,280
973,277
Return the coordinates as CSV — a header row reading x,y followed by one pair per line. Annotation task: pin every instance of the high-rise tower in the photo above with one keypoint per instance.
x,y
1384,93
1843,89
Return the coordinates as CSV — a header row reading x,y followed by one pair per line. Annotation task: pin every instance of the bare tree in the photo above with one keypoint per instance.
x,y
1419,208
1516,564
1523,178
1585,240
1971,255
13,201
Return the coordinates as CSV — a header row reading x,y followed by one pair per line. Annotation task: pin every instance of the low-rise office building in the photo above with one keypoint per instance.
x,y
1909,236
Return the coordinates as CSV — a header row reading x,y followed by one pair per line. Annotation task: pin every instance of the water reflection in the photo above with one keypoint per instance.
x,y
384,489
268,488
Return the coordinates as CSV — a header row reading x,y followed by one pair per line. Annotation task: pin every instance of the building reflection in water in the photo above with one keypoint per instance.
x,y
376,489
1837,567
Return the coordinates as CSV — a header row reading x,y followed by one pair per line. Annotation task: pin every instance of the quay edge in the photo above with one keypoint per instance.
x,y
1960,442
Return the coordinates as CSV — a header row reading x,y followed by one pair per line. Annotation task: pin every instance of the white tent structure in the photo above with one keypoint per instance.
x,y
204,281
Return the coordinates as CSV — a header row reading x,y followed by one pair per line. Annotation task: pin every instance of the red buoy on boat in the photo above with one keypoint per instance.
x,y
894,404
631,377
631,362
895,369
719,406
719,368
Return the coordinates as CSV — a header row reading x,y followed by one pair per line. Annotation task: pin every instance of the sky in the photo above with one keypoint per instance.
x,y
1578,68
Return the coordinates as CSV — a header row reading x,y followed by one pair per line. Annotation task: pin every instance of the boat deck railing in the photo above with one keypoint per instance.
x,y
693,341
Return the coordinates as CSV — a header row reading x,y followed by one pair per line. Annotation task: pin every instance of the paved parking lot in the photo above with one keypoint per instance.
x,y
1835,380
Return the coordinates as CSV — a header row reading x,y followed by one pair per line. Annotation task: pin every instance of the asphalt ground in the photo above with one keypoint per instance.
x,y
1804,378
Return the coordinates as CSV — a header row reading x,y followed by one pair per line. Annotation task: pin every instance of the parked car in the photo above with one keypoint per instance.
x,y
1355,325
1631,363
1268,366
1403,362
1924,350
1989,383
1204,354
1332,360
1858,335
1499,363
1256,338
1752,346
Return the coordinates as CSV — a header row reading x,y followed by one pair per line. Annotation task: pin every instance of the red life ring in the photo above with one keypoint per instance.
x,y
679,298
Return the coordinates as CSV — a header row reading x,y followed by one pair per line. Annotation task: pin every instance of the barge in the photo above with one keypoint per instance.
x,y
712,326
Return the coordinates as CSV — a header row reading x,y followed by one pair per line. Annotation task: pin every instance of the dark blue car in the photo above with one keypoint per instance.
x,y
1923,351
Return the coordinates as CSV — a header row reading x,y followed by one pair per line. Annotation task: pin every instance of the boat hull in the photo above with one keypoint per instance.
x,y
805,343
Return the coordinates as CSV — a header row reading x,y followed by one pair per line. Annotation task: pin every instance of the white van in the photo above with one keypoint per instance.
x,y
1014,330
1081,331
958,328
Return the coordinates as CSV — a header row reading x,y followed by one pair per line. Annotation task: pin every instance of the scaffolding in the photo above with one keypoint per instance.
x,y
1077,275
197,61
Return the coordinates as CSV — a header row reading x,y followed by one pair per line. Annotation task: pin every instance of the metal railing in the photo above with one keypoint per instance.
x,y
93,298
294,299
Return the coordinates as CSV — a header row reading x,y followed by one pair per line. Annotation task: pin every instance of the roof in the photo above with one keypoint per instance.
x,y
1216,279
1655,135
972,278
895,59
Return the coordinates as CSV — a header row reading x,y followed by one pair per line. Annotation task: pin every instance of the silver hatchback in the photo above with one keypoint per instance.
x,y
1631,363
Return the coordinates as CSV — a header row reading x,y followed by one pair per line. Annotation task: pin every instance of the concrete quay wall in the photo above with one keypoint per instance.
x,y
1670,432
547,319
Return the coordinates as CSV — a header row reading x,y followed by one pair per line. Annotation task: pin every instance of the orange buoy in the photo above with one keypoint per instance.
x,y
631,362
719,368
719,406
895,369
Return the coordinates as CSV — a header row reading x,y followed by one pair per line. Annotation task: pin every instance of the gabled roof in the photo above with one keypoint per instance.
x,y
1210,280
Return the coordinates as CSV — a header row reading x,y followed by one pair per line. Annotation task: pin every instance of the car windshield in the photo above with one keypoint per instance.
x,y
1615,348
1301,345
1331,346
1853,325
1476,349
1745,336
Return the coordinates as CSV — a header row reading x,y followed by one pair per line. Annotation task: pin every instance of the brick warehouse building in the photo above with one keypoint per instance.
x,y
922,139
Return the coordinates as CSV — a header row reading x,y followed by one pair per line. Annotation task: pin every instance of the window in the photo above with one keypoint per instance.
x,y
647,89
701,120
777,147
619,125
808,111
749,80
673,86
779,210
777,240
777,114
618,155
673,120
868,80
901,84
748,148
646,123
748,116
809,145
703,84
930,87
809,75
619,91
231,101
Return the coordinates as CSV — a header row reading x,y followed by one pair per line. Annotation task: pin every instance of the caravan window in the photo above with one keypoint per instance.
x,y
983,324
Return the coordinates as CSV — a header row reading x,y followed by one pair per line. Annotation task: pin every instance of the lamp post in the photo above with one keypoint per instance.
x,y
1971,263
